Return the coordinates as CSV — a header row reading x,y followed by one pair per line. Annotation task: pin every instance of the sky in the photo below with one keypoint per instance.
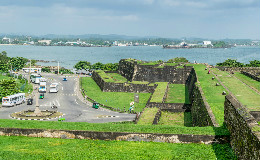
x,y
213,19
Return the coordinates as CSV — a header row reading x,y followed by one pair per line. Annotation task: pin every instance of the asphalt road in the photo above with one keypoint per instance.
x,y
69,103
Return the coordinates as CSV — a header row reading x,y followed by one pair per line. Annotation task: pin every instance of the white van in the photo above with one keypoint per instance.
x,y
54,87
8,101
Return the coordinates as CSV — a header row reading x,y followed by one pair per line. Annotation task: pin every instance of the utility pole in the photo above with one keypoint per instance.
x,y
58,67
29,72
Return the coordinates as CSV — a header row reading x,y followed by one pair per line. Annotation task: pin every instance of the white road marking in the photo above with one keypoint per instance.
x,y
58,104
61,88
75,100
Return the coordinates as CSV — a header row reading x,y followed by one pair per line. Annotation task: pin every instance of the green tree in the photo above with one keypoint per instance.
x,y
178,60
83,65
8,87
98,66
231,63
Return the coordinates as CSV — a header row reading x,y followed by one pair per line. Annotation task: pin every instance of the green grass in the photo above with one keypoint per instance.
x,y
243,93
104,76
249,81
113,99
159,92
178,93
171,64
117,77
18,147
150,63
110,127
139,82
212,93
148,116
180,67
176,118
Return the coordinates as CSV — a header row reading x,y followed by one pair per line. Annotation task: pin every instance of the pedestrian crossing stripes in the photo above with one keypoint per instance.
x,y
53,103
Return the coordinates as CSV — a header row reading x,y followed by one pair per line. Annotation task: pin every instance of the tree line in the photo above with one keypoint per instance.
x,y
235,63
96,66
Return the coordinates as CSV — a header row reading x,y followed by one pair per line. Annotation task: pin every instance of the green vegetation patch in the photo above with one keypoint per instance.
x,y
110,127
159,92
249,81
150,63
178,93
139,82
243,93
176,118
117,77
212,93
171,64
113,99
18,147
148,116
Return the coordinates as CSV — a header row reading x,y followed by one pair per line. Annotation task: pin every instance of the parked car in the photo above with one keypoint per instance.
x,y
30,101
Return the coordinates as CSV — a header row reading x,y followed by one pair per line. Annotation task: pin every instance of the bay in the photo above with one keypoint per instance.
x,y
68,56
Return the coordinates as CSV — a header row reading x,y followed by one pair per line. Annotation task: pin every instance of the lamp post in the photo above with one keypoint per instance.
x,y
58,67
29,71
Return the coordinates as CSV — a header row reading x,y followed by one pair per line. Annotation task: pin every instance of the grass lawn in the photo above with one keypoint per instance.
x,y
148,116
150,63
176,118
113,99
249,81
178,93
117,77
159,92
139,82
171,64
18,147
113,127
243,93
212,93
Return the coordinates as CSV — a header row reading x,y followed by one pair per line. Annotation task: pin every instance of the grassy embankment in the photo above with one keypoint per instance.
x,y
148,116
177,93
212,93
176,118
247,80
113,99
51,148
159,92
243,93
113,127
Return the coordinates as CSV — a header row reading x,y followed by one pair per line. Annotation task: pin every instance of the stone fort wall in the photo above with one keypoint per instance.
x,y
243,128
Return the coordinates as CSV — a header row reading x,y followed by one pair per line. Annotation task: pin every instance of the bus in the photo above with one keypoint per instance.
x,y
33,70
35,78
54,87
19,98
8,101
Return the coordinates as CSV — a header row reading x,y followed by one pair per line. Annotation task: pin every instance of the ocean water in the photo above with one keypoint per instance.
x,y
68,56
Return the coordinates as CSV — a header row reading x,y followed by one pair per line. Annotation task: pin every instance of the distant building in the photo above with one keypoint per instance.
x,y
7,40
47,42
206,42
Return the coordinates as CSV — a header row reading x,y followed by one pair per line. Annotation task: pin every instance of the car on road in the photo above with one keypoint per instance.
x,y
65,79
41,96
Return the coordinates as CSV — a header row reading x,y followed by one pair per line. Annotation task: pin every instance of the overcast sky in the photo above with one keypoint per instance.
x,y
213,19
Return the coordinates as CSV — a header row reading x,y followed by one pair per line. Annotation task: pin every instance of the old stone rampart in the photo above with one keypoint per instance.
x,y
243,128
122,87
246,69
201,112
170,74
252,75
157,117
122,136
127,68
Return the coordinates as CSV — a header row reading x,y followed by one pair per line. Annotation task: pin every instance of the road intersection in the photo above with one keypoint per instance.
x,y
70,102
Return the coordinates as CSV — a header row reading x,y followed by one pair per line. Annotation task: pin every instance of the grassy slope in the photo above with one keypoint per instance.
x,y
176,118
213,93
51,148
110,127
148,116
249,81
113,99
117,77
178,93
242,92
159,92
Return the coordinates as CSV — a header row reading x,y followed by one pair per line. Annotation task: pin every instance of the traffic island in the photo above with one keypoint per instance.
x,y
30,115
